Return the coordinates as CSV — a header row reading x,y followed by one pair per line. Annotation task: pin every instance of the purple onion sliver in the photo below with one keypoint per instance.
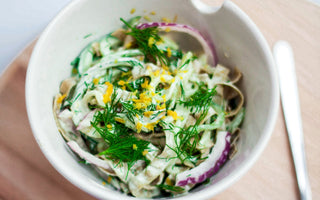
x,y
195,177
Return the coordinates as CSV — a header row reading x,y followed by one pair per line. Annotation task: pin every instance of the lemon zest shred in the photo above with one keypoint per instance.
x,y
148,113
134,147
146,17
139,127
169,53
168,181
162,79
164,19
174,115
133,10
95,81
109,126
122,83
151,41
128,45
145,84
145,152
119,120
61,98
108,93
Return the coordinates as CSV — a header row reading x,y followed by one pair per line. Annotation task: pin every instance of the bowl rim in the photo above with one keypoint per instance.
x,y
206,192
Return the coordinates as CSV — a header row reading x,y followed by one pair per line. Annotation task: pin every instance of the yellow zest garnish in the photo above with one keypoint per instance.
x,y
60,99
145,84
158,43
163,106
153,13
162,79
143,98
167,29
123,87
164,19
158,101
141,58
169,53
145,152
148,113
172,80
133,10
116,61
119,120
107,95
104,183
125,73
137,106
180,77
139,126
153,94
148,67
122,83
168,181
109,126
164,98
156,73
128,45
174,115
137,116
151,41
184,71
146,17
165,67
150,126
95,81
134,147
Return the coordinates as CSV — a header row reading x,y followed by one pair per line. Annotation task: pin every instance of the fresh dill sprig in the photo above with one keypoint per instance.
x,y
201,99
130,110
122,145
144,38
186,141
182,90
171,188
126,148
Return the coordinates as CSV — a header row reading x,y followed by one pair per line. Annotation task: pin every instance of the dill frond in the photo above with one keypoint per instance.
x,y
118,138
201,99
171,188
146,40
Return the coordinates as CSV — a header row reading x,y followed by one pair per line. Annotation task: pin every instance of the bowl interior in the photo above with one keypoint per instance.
x,y
238,43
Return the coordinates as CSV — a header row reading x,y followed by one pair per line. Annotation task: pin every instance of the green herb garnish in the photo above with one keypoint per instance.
x,y
201,99
122,145
130,110
146,40
171,188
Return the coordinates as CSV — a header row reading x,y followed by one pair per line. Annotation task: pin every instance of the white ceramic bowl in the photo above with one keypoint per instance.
x,y
238,43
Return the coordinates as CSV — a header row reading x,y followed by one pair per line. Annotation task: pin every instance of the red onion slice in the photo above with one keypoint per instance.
x,y
205,42
88,156
211,165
